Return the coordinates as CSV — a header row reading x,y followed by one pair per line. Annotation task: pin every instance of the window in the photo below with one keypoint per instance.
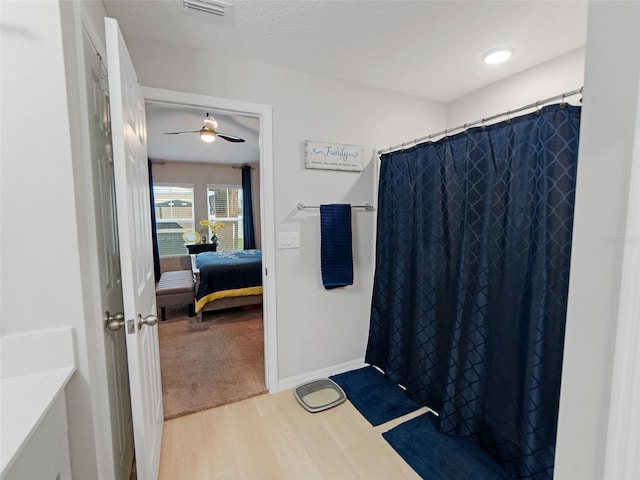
x,y
174,216
225,207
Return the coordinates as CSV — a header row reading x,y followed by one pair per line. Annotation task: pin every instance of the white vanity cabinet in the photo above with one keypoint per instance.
x,y
44,454
36,368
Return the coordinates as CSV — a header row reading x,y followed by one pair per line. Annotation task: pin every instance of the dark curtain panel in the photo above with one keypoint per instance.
x,y
247,210
156,252
471,280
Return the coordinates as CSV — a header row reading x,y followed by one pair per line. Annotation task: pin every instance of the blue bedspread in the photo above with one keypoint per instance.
x,y
228,270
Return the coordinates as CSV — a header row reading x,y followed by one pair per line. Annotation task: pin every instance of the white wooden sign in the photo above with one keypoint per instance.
x,y
333,156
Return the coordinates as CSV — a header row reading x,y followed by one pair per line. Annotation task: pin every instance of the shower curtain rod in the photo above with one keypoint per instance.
x,y
482,121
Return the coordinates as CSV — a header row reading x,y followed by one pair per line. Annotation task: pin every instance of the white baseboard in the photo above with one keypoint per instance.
x,y
292,382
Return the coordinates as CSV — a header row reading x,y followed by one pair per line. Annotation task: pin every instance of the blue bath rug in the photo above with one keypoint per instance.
x,y
437,456
377,399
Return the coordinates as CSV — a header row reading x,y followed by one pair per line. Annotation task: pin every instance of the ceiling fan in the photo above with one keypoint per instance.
x,y
208,132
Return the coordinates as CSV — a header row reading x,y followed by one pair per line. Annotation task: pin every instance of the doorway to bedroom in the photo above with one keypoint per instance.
x,y
208,207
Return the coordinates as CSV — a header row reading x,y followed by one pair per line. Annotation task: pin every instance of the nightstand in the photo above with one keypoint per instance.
x,y
201,247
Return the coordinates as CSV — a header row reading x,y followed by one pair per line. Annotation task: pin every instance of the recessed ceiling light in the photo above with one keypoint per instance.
x,y
496,56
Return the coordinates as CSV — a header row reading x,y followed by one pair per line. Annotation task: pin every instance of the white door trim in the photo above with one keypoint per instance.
x,y
264,114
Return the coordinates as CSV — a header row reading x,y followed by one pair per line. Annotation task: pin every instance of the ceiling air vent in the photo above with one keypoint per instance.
x,y
207,6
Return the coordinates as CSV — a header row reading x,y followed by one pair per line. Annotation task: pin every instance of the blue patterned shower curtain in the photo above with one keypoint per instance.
x,y
471,280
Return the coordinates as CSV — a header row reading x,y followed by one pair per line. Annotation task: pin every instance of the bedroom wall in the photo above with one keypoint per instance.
x,y
316,329
200,175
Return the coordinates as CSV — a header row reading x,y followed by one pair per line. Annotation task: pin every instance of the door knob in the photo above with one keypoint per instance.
x,y
114,322
149,320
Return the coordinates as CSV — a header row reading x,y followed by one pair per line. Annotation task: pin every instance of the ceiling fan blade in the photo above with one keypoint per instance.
x,y
180,133
230,138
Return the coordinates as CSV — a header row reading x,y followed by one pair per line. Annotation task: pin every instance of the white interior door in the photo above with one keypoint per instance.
x,y
129,138
121,429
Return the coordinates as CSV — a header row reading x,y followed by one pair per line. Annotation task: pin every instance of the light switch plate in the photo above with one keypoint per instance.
x,y
289,240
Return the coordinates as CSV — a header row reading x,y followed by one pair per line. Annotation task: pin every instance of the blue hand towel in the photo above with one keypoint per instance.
x,y
336,257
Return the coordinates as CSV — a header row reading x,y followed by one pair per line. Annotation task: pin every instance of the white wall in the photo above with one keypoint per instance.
x,y
38,215
608,131
317,329
554,77
40,251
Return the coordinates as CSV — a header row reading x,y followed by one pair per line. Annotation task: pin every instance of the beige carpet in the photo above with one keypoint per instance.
x,y
212,363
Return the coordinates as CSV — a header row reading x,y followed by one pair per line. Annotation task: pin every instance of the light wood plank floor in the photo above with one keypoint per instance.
x,y
273,437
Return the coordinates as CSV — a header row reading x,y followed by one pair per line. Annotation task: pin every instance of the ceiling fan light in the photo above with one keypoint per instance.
x,y
210,122
207,135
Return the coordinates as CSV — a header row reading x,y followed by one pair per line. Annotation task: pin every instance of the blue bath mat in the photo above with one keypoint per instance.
x,y
436,456
377,399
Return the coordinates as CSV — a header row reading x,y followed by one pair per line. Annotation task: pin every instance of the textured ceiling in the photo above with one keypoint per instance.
x,y
430,49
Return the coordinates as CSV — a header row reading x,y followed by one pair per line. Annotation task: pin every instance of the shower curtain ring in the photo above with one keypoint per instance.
x,y
484,126
508,120
562,102
538,107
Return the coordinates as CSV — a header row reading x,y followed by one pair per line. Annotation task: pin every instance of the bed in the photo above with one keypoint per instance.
x,y
226,279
